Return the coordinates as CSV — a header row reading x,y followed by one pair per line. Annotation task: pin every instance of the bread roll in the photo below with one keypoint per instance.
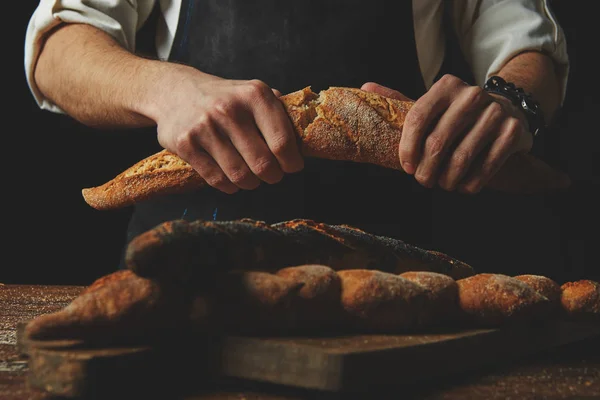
x,y
491,300
375,301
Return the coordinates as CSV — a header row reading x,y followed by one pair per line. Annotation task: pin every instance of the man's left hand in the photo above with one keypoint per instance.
x,y
458,135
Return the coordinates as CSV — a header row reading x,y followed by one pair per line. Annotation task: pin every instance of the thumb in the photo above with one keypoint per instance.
x,y
384,91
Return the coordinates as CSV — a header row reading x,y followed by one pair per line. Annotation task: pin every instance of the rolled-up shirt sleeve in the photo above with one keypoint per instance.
x,y
494,31
119,18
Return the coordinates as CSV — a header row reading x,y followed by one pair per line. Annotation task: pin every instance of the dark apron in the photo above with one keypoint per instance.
x,y
290,45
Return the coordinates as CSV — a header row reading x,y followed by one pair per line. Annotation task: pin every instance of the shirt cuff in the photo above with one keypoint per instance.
x,y
117,18
524,26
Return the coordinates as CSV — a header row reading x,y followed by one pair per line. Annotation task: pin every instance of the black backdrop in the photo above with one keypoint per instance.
x,y
54,237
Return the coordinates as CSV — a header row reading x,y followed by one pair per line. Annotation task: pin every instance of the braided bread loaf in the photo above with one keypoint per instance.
x,y
192,252
337,124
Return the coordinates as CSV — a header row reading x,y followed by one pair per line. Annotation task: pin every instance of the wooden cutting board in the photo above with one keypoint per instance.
x,y
335,364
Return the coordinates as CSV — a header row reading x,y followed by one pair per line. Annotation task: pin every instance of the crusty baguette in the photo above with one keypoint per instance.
x,y
123,308
191,253
338,124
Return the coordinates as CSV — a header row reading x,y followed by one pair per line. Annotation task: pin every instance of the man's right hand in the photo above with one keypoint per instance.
x,y
234,133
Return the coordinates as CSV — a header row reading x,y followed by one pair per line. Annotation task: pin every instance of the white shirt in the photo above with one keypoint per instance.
x,y
491,32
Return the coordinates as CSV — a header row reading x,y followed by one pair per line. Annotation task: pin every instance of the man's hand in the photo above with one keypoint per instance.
x,y
458,135
235,134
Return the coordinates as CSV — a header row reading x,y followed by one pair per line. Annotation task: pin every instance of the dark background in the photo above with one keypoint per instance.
x,y
54,237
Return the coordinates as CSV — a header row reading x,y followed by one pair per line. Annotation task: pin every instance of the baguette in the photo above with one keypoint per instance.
x,y
123,308
337,124
193,253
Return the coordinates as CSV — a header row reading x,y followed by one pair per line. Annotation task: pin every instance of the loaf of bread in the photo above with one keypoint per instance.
x,y
191,253
581,300
337,124
492,300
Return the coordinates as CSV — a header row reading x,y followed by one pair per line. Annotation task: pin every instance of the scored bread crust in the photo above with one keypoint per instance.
x,y
338,124
159,174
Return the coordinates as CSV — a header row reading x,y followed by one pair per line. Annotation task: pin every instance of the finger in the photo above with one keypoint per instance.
x,y
208,169
500,150
384,91
461,113
418,121
220,148
484,131
275,127
276,92
254,150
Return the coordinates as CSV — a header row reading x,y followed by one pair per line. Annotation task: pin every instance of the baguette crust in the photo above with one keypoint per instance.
x,y
157,175
496,299
581,300
192,252
338,124
376,301
544,286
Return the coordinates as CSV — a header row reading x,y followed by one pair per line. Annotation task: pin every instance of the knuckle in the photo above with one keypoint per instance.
x,y
474,95
280,145
496,110
461,159
448,80
216,180
184,143
256,87
239,175
435,146
415,117
263,166
224,107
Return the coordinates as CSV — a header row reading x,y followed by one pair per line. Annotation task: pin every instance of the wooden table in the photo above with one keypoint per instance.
x,y
570,371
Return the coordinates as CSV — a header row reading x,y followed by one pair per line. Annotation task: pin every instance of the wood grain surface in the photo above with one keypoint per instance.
x,y
289,361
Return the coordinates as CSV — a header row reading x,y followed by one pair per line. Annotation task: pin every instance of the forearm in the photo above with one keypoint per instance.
x,y
99,83
536,74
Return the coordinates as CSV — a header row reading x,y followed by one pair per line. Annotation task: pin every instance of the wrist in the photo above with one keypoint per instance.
x,y
526,105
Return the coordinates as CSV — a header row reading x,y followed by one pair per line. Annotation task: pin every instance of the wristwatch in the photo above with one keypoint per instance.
x,y
523,101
